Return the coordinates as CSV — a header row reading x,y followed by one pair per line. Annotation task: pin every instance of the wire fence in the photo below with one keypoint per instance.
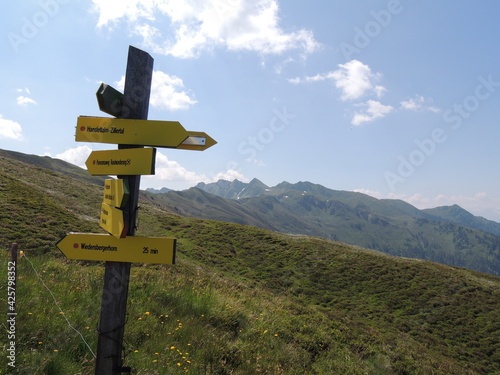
x,y
57,304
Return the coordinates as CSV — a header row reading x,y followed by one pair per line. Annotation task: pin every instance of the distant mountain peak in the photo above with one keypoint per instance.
x,y
459,215
163,190
232,189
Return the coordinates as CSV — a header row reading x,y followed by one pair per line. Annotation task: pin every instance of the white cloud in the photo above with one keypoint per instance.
x,y
171,171
418,103
354,79
25,90
278,68
23,100
295,80
374,110
10,129
77,156
166,92
197,26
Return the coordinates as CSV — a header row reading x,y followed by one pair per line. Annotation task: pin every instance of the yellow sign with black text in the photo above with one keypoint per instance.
x,y
130,161
112,220
116,192
130,132
105,247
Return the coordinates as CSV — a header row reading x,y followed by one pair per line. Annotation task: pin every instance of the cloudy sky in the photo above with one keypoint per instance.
x,y
394,98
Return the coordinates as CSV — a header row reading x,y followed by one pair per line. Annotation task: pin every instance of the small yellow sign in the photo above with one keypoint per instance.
x,y
112,220
104,247
130,161
130,132
115,192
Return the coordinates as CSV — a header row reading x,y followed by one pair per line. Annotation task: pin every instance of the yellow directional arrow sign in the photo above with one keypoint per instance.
x,y
104,247
130,161
130,132
169,134
112,221
115,192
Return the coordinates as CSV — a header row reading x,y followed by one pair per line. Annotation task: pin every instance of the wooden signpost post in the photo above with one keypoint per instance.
x,y
131,131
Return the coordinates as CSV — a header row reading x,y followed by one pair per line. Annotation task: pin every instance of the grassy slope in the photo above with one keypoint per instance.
x,y
388,226
240,300
55,165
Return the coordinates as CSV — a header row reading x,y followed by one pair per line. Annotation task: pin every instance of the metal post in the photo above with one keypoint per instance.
x,y
116,277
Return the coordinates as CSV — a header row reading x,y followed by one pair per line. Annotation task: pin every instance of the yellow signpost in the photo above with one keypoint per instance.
x,y
131,161
168,134
112,221
104,247
130,132
115,192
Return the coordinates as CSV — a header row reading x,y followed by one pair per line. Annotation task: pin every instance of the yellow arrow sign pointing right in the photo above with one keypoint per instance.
x,y
130,132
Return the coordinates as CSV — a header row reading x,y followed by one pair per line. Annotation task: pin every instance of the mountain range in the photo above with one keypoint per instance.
x,y
241,299
449,235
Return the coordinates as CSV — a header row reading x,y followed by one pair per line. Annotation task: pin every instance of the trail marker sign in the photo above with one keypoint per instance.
x,y
112,220
96,246
127,162
115,192
131,131
168,134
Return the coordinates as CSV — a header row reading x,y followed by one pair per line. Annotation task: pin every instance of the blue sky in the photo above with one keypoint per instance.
x,y
396,98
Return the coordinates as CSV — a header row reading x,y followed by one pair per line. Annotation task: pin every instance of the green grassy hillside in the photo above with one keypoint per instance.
x,y
240,300
389,226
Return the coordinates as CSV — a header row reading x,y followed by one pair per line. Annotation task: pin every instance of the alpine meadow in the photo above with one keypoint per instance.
x,y
239,299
